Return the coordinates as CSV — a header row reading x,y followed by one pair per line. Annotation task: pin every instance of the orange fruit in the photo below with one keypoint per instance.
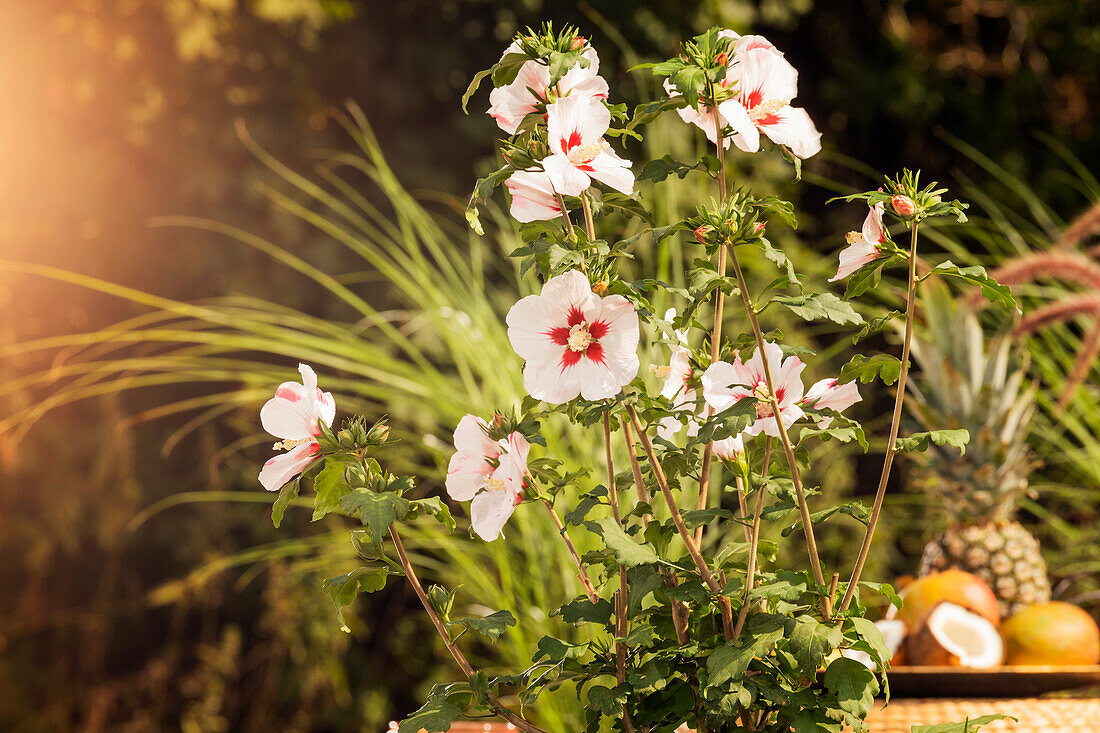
x,y
1054,633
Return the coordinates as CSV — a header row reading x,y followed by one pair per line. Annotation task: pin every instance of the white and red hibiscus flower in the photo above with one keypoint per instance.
x,y
726,384
487,473
295,414
830,394
533,197
575,127
729,449
764,83
703,117
677,385
575,343
530,89
863,247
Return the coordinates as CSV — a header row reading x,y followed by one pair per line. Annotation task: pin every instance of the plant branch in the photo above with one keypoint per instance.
x,y
788,449
895,422
754,541
685,534
622,625
716,332
582,574
460,658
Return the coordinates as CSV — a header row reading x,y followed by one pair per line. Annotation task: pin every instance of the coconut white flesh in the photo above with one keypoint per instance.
x,y
967,636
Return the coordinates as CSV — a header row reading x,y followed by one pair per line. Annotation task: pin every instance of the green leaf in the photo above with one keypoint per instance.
x,y
762,632
436,507
820,306
866,368
556,650
660,169
919,442
507,69
607,701
868,632
435,716
583,610
992,290
376,511
472,88
967,726
329,487
344,588
492,626
811,721
287,494
875,325
627,552
811,641
853,684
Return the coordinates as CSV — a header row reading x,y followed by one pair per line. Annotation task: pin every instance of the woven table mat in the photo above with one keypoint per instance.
x,y
1035,715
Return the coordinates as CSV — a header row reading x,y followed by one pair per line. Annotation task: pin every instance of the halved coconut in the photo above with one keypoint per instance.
x,y
950,635
893,633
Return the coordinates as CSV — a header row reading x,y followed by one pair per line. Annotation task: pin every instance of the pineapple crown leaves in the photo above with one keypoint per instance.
x,y
968,381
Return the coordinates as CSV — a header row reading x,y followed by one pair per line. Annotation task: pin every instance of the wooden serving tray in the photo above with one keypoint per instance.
x,y
997,682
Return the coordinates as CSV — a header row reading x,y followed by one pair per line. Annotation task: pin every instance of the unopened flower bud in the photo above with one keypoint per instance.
x,y
903,205
722,59
498,421
760,226
600,288
701,233
578,43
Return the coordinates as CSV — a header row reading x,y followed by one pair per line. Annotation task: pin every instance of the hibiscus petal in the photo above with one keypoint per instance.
x,y
489,511
792,127
612,170
290,419
766,75
282,468
565,177
873,229
789,380
466,475
533,197
471,436
853,257
575,120
716,384
745,135
551,382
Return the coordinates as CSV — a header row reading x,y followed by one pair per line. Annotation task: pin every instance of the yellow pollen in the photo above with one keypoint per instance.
x,y
767,107
763,397
291,444
853,237
584,153
579,338
662,372
495,484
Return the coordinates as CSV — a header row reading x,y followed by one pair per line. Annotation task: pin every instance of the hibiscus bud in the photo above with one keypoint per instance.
x,y
702,232
378,434
578,43
600,288
722,59
903,205
759,227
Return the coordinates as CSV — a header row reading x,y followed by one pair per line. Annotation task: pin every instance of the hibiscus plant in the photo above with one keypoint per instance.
x,y
712,640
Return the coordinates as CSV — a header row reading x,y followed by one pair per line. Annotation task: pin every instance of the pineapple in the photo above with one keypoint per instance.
x,y
967,383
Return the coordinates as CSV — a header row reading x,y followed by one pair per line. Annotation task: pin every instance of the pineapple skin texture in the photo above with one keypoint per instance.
x,y
1003,554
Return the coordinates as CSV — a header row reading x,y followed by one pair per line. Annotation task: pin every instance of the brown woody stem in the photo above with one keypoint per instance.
x,y
754,541
788,449
456,653
621,623
895,423
582,574
685,534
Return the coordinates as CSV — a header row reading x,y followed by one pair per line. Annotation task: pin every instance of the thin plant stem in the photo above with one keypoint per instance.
x,y
456,653
621,623
565,215
589,225
788,449
895,423
679,622
582,574
754,541
678,520
716,332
